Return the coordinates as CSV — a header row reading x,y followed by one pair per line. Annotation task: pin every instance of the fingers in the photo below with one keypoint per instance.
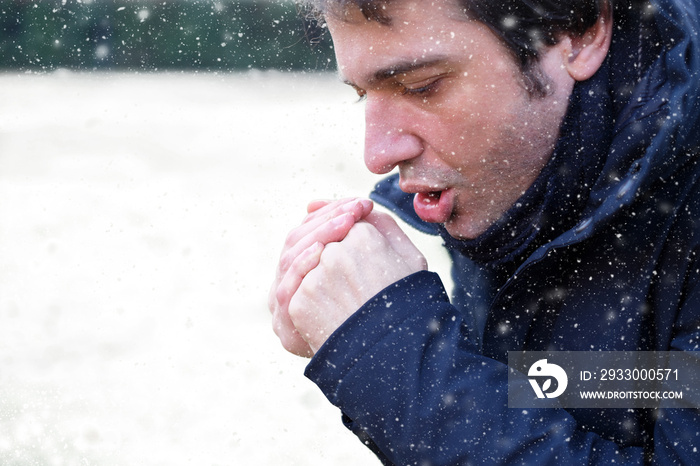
x,y
397,239
327,206
332,230
315,205
290,337
300,267
326,224
320,211
324,210
281,294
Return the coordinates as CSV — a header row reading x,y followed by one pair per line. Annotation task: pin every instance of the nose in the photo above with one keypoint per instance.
x,y
389,135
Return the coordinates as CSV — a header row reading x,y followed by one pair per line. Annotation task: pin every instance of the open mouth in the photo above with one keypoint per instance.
x,y
434,206
433,196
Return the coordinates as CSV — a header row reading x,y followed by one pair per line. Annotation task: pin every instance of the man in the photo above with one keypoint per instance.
x,y
553,146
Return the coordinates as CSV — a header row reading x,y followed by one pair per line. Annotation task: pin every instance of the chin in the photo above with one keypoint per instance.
x,y
465,230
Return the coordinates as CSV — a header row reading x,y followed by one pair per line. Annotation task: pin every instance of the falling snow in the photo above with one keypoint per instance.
x,y
141,220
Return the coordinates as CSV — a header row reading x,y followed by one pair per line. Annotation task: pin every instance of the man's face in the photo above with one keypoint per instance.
x,y
446,105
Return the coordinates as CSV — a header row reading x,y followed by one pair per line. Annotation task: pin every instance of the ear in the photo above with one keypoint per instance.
x,y
589,50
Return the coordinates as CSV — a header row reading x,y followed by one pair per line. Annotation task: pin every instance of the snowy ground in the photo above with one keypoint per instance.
x,y
141,217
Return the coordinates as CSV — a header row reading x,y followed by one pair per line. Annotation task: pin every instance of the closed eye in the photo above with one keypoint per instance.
x,y
424,90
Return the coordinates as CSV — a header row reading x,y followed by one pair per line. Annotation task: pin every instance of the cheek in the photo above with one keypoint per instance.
x,y
468,120
483,108
471,132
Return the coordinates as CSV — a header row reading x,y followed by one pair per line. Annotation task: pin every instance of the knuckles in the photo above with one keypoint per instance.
x,y
290,338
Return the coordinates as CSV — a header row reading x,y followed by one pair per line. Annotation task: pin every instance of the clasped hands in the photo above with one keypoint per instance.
x,y
341,255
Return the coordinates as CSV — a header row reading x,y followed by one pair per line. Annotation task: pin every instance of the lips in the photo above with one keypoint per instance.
x,y
434,206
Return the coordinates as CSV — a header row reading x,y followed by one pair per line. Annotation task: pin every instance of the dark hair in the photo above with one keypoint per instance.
x,y
524,26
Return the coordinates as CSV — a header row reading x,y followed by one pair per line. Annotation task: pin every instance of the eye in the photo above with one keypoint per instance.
x,y
421,89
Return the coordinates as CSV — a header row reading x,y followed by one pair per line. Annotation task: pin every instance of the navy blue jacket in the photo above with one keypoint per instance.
x,y
422,379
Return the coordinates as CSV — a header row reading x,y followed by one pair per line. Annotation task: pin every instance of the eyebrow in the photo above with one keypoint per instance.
x,y
401,68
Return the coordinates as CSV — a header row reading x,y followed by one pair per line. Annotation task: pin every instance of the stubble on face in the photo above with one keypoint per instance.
x,y
506,171
483,135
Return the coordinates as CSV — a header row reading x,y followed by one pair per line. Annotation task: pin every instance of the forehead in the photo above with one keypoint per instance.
x,y
415,30
383,11
393,14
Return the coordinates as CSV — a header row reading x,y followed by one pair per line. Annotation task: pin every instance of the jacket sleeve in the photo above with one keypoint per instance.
x,y
677,430
415,390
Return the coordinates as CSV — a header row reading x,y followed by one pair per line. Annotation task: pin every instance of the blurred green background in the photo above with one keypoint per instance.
x,y
151,35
